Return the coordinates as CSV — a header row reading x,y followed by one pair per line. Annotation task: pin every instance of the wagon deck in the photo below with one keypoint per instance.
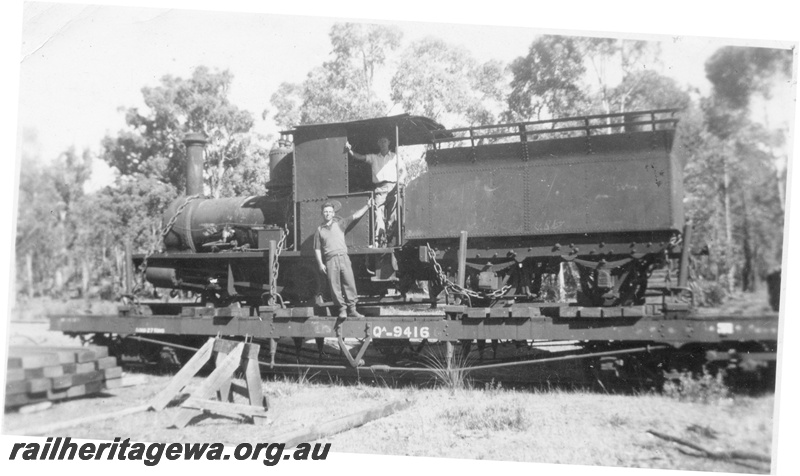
x,y
638,324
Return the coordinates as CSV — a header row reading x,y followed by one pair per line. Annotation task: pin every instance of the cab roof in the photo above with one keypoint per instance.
x,y
412,130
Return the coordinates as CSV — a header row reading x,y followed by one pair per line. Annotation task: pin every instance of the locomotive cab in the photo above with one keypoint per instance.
x,y
325,171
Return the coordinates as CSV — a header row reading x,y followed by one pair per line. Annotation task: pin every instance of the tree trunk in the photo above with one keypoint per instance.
x,y
747,252
29,273
85,277
119,262
128,266
781,178
59,281
726,198
69,270
781,184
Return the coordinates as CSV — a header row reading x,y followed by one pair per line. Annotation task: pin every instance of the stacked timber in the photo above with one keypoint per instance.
x,y
36,374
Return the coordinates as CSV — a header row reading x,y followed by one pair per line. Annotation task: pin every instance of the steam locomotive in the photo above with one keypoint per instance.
x,y
494,215
498,209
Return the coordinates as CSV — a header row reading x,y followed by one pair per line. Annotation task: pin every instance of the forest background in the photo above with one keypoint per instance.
x,y
70,242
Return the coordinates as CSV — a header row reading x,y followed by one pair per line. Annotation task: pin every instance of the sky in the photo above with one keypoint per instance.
x,y
80,64
68,68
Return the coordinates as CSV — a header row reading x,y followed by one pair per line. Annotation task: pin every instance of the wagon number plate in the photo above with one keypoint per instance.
x,y
408,332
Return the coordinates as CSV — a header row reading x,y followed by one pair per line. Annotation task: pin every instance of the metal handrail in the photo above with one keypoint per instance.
x,y
521,128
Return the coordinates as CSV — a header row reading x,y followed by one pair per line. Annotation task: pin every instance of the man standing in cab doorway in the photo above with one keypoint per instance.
x,y
385,166
331,251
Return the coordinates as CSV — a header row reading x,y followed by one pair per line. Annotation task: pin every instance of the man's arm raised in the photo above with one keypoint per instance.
x,y
360,213
349,149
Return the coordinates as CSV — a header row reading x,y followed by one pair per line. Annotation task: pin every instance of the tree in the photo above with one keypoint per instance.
x,y
128,211
738,73
343,88
642,90
546,82
439,80
35,220
608,56
152,146
46,224
733,187
363,46
735,206
250,176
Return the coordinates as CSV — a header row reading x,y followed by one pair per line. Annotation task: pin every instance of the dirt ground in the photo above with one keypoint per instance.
x,y
486,423
571,427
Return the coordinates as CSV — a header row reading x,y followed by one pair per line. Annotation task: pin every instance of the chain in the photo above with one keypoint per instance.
x,y
454,288
276,266
164,232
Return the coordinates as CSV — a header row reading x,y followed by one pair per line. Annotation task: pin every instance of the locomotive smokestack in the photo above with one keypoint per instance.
x,y
195,149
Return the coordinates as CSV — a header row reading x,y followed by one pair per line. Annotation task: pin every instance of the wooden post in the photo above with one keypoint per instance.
x,y
397,187
218,378
224,392
50,428
128,266
273,349
339,425
450,352
252,376
272,257
462,259
683,272
162,399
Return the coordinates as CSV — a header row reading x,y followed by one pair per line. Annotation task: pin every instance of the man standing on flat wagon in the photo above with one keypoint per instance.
x,y
385,168
329,244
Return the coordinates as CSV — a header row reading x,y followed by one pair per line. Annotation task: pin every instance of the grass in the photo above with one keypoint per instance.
x,y
702,388
452,377
491,422
488,418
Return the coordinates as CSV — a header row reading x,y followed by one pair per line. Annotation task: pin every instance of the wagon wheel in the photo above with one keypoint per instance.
x,y
622,286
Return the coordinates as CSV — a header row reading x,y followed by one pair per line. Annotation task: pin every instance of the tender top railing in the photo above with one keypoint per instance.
x,y
582,126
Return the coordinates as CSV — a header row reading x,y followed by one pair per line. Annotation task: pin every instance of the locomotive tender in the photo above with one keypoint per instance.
x,y
499,210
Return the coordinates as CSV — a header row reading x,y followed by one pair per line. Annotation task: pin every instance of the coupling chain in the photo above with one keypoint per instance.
x,y
276,267
454,288
164,232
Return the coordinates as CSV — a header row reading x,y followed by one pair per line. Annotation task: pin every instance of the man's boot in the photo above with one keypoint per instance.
x,y
342,312
352,312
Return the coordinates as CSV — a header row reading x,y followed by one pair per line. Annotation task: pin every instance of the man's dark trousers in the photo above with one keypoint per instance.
x,y
342,282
